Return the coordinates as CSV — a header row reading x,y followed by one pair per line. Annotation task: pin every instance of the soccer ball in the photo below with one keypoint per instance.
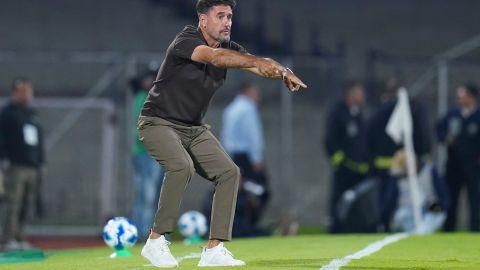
x,y
192,224
120,233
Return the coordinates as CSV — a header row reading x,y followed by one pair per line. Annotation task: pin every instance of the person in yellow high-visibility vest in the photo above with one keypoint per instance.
x,y
345,144
382,148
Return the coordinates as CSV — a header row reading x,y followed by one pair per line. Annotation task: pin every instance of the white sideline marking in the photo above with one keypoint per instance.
x,y
189,256
335,264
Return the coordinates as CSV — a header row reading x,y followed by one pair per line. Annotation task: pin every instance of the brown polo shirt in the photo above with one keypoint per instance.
x,y
183,88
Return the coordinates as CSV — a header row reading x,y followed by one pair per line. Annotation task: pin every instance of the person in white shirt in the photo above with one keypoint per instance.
x,y
242,137
242,132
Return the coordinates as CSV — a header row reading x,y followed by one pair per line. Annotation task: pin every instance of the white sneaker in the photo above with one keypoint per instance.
x,y
218,256
158,253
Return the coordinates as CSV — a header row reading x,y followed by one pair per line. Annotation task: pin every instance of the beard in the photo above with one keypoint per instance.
x,y
219,36
224,39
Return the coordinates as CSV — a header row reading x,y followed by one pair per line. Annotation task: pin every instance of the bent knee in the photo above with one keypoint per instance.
x,y
181,166
233,172
237,173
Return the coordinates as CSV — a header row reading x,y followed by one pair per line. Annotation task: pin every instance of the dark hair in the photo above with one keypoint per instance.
x,y
17,82
245,86
350,85
391,86
471,88
203,6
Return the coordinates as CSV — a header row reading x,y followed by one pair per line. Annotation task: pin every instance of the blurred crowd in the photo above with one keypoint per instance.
x,y
369,187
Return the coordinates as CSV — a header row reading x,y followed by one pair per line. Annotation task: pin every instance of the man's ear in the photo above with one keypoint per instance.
x,y
203,20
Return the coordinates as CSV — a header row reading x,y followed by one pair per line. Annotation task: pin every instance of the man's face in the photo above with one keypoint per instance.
x,y
24,93
254,93
464,99
147,82
357,95
218,22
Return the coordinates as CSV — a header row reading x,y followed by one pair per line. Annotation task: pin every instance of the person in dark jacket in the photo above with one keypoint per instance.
x,y
381,147
459,130
21,146
345,144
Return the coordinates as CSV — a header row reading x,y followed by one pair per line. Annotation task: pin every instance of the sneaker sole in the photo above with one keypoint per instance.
x,y
216,265
159,265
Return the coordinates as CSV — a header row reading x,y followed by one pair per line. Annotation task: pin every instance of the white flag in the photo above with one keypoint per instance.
x,y
400,124
400,129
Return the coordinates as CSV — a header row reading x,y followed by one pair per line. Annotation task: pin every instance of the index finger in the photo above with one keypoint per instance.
x,y
299,82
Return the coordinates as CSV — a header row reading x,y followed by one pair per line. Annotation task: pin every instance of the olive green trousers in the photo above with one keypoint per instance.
x,y
182,151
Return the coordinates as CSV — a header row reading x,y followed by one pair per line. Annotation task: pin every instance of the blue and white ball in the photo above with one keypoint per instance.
x,y
120,233
192,224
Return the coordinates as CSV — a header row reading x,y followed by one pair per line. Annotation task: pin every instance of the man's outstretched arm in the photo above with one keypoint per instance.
x,y
264,67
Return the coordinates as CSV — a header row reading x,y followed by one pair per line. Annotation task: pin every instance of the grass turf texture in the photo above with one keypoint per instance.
x,y
442,251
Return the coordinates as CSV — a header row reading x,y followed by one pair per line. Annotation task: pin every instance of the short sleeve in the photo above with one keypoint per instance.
x,y
236,47
185,44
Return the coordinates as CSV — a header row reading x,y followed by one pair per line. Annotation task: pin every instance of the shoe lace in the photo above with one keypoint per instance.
x,y
227,252
164,245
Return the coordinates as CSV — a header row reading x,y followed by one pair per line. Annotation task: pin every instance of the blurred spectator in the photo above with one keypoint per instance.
x,y
242,137
345,144
2,185
459,130
381,147
148,175
433,195
21,147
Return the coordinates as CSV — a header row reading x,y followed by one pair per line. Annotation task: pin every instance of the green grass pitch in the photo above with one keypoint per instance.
x,y
440,251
